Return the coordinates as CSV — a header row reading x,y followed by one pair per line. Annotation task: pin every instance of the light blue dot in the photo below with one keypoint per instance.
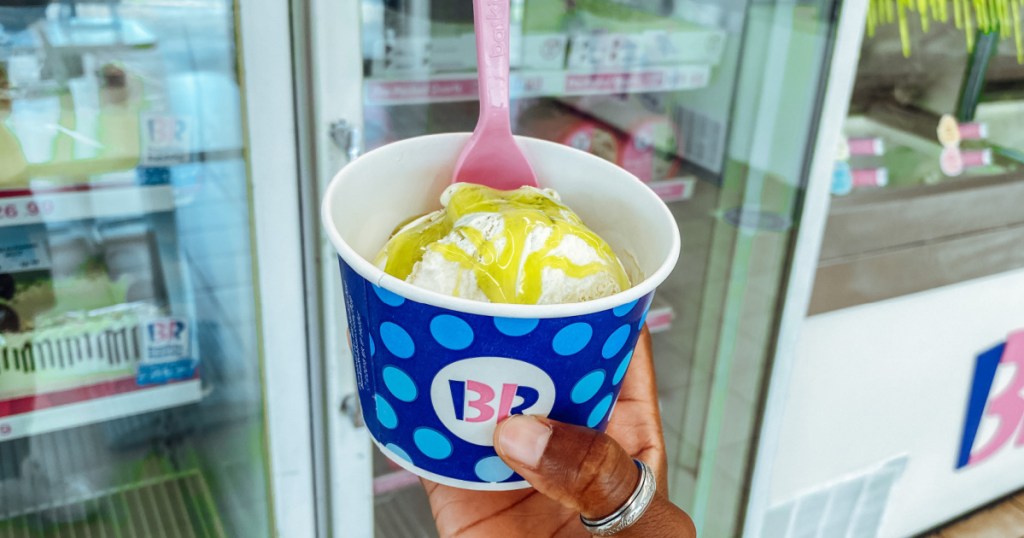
x,y
399,383
385,413
587,387
432,443
621,370
387,297
614,343
373,347
397,450
451,332
622,310
492,469
600,410
572,338
516,326
398,342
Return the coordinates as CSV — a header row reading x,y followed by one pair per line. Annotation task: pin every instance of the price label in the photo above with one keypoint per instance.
x,y
20,257
166,352
165,140
25,209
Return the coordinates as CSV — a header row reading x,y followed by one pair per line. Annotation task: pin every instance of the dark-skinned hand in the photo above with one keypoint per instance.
x,y
573,470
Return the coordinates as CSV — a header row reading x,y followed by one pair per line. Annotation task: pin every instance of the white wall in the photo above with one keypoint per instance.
x,y
878,381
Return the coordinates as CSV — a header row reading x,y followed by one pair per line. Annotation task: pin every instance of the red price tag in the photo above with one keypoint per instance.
x,y
26,208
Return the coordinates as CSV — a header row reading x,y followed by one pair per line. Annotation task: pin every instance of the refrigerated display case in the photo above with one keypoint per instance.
x,y
153,362
720,107
912,345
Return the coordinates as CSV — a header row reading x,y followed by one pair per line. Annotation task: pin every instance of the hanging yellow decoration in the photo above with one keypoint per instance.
x,y
1003,16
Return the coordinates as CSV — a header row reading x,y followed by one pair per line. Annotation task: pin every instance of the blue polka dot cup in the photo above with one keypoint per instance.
x,y
436,373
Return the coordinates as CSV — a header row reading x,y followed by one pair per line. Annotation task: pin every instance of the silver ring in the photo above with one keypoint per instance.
x,y
631,510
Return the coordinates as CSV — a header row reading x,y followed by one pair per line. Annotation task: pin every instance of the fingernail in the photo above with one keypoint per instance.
x,y
524,438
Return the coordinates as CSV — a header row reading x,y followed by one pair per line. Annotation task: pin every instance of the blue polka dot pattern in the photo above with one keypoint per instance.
x,y
620,372
492,469
587,387
600,410
385,413
622,310
387,297
572,339
432,443
397,450
451,332
397,340
613,345
399,383
398,356
516,326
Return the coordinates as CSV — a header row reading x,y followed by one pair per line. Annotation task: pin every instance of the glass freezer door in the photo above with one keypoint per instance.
x,y
132,400
714,104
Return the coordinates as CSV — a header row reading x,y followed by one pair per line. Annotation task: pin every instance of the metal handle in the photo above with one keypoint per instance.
x,y
347,138
350,407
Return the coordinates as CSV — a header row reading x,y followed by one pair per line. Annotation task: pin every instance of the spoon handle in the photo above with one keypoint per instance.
x,y
491,18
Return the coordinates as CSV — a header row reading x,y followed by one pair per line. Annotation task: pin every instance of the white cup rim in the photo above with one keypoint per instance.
x,y
377,276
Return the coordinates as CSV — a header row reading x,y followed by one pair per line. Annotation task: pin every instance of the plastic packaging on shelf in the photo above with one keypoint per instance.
x,y
614,35
649,143
550,121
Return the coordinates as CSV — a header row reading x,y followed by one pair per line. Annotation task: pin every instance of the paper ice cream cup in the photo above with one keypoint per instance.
x,y
437,373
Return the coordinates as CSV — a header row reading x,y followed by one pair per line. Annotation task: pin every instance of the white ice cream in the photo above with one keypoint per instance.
x,y
574,264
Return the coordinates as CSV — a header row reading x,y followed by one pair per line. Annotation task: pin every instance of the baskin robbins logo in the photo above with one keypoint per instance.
x,y
471,396
995,411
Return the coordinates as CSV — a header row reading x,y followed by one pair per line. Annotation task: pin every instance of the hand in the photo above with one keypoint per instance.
x,y
573,470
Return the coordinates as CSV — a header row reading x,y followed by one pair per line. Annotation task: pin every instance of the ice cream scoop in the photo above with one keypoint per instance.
x,y
521,246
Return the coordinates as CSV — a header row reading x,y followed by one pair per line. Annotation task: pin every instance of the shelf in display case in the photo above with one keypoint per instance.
x,y
446,88
32,206
179,503
100,408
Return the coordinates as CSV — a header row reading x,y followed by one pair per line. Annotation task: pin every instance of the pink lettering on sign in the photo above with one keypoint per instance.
x,y
508,395
414,90
1007,407
481,403
471,394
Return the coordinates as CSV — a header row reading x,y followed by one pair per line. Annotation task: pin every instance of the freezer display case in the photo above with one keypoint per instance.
x,y
714,105
131,392
912,346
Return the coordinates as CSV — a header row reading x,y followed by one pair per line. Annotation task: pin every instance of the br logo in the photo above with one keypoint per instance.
x,y
165,330
995,412
472,395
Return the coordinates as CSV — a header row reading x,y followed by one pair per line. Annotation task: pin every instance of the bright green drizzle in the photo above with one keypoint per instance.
x,y
507,274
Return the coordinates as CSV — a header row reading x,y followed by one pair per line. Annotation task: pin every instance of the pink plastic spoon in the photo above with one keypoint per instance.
x,y
492,157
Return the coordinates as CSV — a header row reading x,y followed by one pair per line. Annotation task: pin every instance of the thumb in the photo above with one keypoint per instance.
x,y
585,471
581,468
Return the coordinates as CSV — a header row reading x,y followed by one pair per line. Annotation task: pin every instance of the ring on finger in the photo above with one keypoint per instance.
x,y
631,511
